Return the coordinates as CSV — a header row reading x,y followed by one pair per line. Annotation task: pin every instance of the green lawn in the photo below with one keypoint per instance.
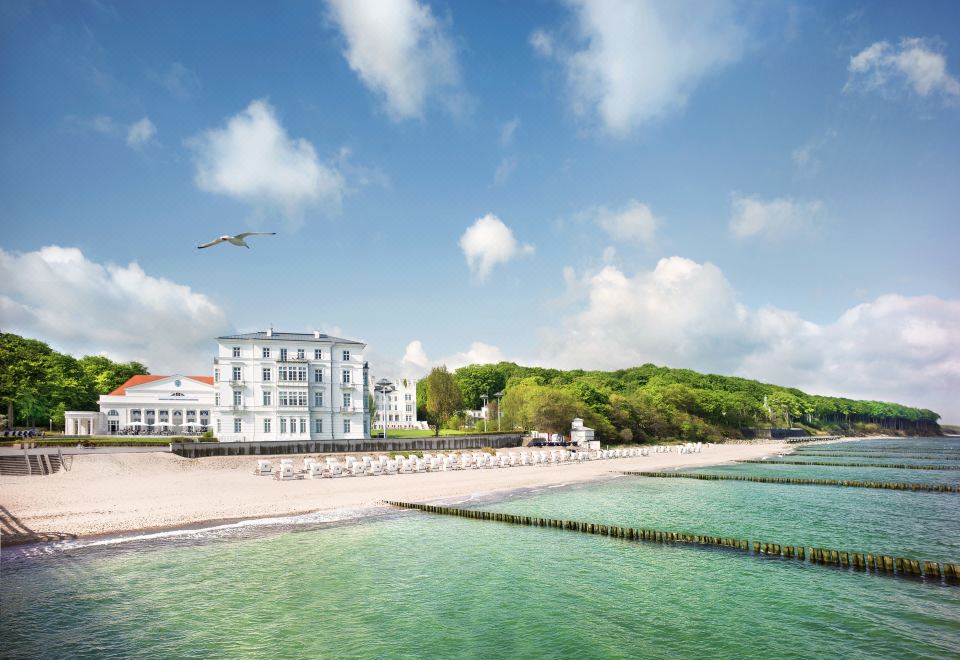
x,y
417,433
113,441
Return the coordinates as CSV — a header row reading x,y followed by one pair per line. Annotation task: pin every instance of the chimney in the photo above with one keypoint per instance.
x,y
316,334
270,331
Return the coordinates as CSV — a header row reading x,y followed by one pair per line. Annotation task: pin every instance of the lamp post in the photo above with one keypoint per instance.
x,y
484,397
384,386
499,396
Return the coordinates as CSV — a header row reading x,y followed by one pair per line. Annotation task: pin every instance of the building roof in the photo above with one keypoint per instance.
x,y
292,336
140,380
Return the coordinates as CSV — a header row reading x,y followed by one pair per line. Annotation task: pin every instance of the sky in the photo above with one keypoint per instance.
x,y
763,189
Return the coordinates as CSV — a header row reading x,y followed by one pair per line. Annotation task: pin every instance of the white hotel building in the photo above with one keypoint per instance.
x,y
290,386
401,406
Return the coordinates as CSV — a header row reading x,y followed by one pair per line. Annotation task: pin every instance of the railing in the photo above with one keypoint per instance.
x,y
349,409
236,382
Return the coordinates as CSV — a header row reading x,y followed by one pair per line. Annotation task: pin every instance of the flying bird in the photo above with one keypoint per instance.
x,y
237,240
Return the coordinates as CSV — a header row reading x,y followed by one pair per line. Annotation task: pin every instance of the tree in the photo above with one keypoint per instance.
x,y
37,383
478,379
443,396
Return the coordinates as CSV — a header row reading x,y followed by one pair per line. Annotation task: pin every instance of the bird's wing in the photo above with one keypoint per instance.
x,y
212,243
255,233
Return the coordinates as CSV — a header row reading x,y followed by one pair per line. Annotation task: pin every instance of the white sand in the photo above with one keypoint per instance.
x,y
112,493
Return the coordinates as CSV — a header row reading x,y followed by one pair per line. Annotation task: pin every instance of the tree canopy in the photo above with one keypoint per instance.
x,y
651,402
38,383
443,397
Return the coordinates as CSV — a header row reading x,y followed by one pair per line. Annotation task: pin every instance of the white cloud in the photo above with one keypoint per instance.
x,y
58,295
508,130
137,135
415,355
916,63
104,125
140,133
806,157
479,353
252,159
178,80
401,52
542,43
775,219
634,223
488,242
504,170
636,61
686,314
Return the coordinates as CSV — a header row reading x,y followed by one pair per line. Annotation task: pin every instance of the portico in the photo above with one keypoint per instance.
x,y
149,405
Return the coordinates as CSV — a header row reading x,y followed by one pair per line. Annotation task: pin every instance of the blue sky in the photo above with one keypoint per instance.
x,y
763,189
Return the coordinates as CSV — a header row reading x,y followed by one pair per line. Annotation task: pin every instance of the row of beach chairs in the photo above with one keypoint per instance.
x,y
373,466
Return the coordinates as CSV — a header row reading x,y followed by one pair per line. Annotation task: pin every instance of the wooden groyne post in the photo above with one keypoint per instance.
x,y
879,564
849,483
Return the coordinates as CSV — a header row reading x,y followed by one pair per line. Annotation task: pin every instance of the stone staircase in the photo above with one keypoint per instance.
x,y
32,464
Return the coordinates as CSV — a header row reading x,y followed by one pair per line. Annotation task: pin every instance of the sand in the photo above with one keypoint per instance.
x,y
115,493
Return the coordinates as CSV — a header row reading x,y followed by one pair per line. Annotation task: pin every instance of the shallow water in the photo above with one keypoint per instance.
x,y
410,584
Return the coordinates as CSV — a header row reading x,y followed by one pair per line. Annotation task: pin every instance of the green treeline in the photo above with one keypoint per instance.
x,y
37,383
651,403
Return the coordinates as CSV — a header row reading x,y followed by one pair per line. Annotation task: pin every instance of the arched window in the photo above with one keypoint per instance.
x,y
112,413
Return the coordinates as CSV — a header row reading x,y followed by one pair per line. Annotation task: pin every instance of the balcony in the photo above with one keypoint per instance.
x,y
348,385
300,360
236,382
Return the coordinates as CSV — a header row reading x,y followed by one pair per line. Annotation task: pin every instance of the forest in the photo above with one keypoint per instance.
x,y
38,384
651,403
645,403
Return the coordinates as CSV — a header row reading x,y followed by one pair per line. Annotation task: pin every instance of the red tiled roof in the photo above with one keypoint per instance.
x,y
140,380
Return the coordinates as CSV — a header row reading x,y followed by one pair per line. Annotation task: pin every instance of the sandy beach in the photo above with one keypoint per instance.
x,y
115,493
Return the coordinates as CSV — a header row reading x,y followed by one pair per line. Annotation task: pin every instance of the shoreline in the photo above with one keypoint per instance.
x,y
114,495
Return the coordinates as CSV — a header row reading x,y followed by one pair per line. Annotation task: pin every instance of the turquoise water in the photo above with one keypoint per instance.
x,y
409,584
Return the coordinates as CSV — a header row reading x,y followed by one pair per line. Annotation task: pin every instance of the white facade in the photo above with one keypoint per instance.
x,y
400,406
582,435
174,404
289,386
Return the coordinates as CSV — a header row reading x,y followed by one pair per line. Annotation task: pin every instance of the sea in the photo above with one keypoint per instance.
x,y
383,583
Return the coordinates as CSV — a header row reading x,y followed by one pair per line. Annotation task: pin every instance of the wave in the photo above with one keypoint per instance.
x,y
191,534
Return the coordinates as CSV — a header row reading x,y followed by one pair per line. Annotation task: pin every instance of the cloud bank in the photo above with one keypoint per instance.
x,y
58,295
687,314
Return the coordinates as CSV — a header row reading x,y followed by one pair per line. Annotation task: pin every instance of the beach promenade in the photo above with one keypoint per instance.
x,y
126,492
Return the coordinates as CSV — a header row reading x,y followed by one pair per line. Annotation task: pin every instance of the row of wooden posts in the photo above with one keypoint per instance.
x,y
881,564
814,448
936,488
901,466
929,457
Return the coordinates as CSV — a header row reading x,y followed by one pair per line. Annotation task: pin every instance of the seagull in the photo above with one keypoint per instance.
x,y
237,240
